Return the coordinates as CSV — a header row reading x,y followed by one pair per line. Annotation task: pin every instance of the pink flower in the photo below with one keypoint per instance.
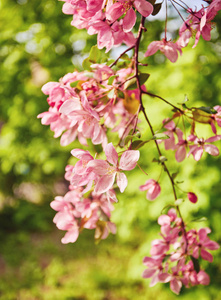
x,y
153,188
154,270
201,145
108,173
203,244
169,49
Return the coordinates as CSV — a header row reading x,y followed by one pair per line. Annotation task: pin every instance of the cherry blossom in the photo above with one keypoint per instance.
x,y
108,173
169,49
153,189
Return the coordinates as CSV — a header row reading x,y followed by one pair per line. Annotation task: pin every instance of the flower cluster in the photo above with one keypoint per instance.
x,y
74,213
83,105
175,257
92,105
196,145
112,21
197,23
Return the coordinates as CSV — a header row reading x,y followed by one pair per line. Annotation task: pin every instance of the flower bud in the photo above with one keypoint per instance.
x,y
192,197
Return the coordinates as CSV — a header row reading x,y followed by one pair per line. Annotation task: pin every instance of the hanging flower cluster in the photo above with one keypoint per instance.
x,y
174,258
101,106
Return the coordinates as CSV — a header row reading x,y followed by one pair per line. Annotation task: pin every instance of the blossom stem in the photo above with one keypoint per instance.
x,y
128,49
161,98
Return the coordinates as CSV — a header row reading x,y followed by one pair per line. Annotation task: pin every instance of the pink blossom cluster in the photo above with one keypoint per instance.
x,y
83,105
196,145
112,21
74,213
175,257
101,172
198,23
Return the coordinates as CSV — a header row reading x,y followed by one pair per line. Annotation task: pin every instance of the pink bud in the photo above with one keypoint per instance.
x,y
192,197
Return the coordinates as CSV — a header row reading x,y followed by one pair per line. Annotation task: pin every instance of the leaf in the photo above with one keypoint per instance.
x,y
111,79
74,84
128,139
174,175
155,160
179,182
201,115
138,144
202,219
156,8
94,55
143,77
208,110
126,57
160,136
120,94
86,64
195,264
152,1
131,84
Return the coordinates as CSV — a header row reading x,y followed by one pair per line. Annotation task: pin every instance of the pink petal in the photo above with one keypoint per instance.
x,y
203,278
211,149
129,20
104,184
99,166
175,286
197,154
180,153
148,273
69,106
144,7
152,48
70,236
111,154
203,234
170,53
164,220
211,245
129,160
206,255
121,181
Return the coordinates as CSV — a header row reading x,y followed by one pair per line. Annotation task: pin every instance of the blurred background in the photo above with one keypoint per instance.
x,y
37,45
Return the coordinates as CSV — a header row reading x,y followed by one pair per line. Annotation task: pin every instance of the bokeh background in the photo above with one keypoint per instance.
x,y
37,45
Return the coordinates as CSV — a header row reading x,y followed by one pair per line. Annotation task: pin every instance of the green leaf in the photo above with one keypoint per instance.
x,y
202,219
120,94
143,77
86,64
160,136
74,84
155,160
131,84
138,144
94,55
111,79
208,110
128,139
125,56
179,182
174,175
